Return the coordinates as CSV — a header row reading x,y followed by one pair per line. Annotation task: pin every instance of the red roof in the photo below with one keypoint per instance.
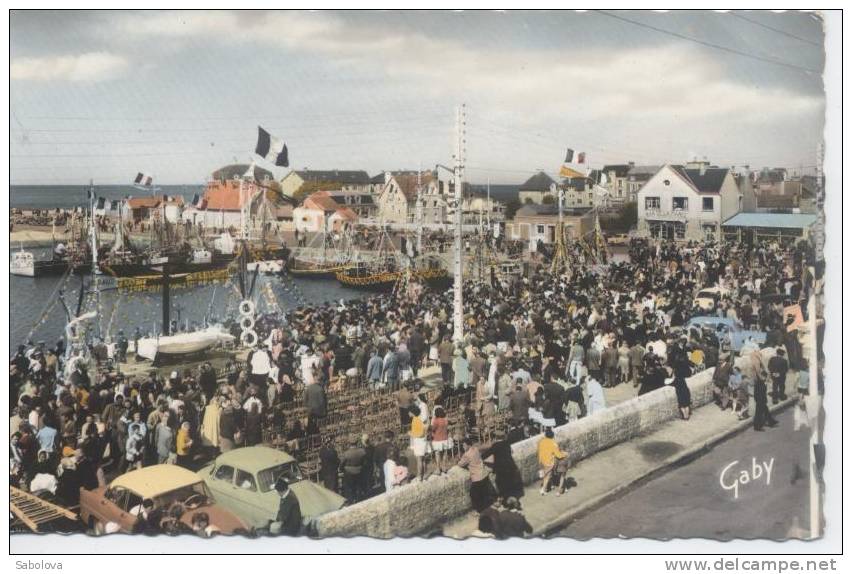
x,y
322,201
141,202
223,196
152,201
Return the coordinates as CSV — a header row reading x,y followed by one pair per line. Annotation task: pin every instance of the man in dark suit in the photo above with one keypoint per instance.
x,y
761,409
554,401
778,372
289,513
519,404
609,363
315,401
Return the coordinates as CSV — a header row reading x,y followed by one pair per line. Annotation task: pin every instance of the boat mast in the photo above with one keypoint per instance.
x,y
93,229
458,303
324,235
166,330
488,191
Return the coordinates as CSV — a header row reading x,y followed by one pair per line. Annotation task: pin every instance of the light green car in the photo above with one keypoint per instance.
x,y
243,481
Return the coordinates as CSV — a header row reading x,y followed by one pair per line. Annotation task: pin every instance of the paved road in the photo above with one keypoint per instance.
x,y
689,502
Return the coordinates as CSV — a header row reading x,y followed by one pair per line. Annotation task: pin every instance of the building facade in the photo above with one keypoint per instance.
x,y
682,203
226,193
536,189
537,223
321,211
397,202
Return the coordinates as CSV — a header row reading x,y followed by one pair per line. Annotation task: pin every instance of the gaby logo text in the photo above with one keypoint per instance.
x,y
732,477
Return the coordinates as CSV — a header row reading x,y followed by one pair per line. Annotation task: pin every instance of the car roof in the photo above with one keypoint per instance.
x,y
711,319
152,481
253,458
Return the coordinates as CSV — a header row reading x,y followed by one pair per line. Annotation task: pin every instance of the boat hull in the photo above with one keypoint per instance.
x,y
39,269
319,272
180,345
385,282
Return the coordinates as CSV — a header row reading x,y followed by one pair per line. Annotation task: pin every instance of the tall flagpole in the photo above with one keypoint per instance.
x,y
458,303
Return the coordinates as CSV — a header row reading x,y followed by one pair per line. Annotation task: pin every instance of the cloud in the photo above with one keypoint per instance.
x,y
89,67
664,81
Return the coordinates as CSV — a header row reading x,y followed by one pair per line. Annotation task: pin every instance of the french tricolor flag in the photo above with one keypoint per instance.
x,y
143,179
271,148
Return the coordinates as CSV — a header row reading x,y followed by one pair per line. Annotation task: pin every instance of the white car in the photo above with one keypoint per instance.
x,y
709,297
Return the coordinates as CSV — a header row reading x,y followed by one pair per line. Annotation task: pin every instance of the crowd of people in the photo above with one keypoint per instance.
x,y
540,349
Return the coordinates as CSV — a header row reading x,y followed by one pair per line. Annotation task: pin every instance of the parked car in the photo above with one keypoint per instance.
x,y
114,508
243,480
729,332
707,299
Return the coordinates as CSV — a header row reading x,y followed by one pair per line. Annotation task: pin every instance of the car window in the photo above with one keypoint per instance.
x,y
224,473
269,476
245,480
132,501
117,495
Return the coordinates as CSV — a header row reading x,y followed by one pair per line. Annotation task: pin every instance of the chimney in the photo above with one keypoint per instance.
x,y
702,168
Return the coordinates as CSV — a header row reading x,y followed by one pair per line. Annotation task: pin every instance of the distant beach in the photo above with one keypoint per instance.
x,y
67,196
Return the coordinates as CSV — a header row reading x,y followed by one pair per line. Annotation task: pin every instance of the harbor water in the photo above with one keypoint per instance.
x,y
35,312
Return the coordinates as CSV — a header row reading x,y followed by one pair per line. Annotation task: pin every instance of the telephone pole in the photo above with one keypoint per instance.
x,y
419,210
458,171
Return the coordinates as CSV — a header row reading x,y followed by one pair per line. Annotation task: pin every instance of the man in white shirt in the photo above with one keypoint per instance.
x,y
261,363
309,363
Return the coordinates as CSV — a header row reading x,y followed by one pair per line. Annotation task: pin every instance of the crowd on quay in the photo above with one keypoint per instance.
x,y
539,349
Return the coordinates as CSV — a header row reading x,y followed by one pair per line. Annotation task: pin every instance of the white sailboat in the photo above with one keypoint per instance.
x,y
181,344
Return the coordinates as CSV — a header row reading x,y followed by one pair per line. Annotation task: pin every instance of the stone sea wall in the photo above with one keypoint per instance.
x,y
418,509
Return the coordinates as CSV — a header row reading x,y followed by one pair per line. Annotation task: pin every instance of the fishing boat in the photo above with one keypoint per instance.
x,y
386,275
323,257
384,270
181,345
24,264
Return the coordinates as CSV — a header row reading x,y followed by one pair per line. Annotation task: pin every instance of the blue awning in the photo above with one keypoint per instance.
x,y
772,220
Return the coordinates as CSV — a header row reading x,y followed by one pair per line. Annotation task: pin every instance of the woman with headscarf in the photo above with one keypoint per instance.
x,y
507,475
210,424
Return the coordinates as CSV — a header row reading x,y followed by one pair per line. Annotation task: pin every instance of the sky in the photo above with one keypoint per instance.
x,y
105,94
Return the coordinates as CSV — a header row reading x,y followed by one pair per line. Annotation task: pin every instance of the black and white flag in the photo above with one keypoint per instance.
x,y
271,148
143,179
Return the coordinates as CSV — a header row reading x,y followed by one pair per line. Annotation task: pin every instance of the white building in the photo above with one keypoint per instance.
x,y
688,203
